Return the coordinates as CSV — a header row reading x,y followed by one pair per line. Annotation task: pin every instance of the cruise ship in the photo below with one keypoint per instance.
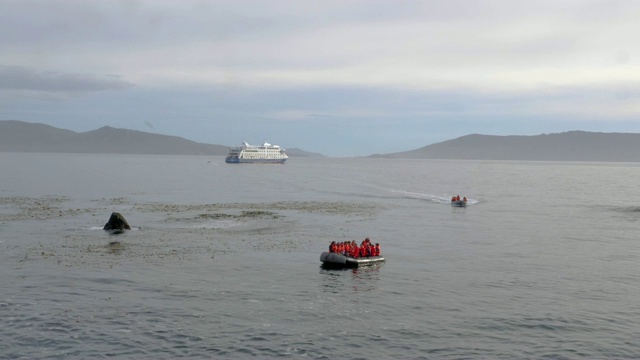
x,y
265,154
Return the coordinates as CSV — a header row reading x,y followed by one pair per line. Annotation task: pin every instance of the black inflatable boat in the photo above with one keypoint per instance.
x,y
335,260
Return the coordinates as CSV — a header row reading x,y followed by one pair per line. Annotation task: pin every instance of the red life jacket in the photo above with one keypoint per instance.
x,y
354,252
377,250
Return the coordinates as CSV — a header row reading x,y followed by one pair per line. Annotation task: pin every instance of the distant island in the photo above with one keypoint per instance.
x,y
20,136
567,146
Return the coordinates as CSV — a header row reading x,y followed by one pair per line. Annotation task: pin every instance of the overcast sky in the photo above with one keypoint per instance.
x,y
342,78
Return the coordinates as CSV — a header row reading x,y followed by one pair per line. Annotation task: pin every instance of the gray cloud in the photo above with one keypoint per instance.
x,y
25,79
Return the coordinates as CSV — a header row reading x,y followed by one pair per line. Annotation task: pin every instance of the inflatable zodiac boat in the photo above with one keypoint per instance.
x,y
335,260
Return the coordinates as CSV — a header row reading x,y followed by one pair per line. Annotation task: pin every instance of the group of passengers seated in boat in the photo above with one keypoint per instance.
x,y
351,248
457,198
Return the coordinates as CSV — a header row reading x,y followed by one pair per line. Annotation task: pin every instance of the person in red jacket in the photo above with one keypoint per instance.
x,y
377,250
332,247
355,251
364,242
363,251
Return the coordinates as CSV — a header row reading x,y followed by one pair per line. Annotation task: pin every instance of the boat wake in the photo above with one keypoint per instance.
x,y
437,199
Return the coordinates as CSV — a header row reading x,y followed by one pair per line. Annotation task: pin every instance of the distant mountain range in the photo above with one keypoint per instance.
x,y
567,146
20,136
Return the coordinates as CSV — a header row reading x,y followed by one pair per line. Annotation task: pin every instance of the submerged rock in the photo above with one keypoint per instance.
x,y
117,223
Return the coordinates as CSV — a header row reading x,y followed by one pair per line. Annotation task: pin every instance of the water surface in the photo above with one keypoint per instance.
x,y
223,260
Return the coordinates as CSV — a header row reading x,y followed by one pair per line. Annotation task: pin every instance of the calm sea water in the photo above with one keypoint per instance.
x,y
223,260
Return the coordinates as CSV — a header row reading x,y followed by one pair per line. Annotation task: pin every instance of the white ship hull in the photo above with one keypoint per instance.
x,y
236,160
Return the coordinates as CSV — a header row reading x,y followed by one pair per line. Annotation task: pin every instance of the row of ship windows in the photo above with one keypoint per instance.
x,y
268,156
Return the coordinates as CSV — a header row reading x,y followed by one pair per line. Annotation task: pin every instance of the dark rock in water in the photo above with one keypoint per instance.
x,y
117,224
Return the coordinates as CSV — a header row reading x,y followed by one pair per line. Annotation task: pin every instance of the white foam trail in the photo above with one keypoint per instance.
x,y
421,196
444,199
